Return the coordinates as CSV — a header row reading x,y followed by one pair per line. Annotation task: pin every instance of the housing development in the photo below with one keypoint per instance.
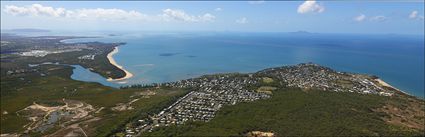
x,y
212,92
314,76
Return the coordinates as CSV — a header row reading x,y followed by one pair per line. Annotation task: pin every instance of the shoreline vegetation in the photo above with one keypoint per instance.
x,y
113,62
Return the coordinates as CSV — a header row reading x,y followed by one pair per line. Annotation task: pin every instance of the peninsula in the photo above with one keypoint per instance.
x,y
113,62
95,56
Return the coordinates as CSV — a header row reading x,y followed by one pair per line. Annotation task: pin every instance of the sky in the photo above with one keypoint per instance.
x,y
369,17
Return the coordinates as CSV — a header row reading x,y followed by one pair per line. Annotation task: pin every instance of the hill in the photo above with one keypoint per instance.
x,y
304,99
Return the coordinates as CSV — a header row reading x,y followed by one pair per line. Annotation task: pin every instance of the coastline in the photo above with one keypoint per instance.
x,y
113,62
383,83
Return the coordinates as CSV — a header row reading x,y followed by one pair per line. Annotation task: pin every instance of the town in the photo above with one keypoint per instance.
x,y
313,76
209,95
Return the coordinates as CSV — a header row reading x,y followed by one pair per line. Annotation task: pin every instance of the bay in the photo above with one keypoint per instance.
x,y
164,57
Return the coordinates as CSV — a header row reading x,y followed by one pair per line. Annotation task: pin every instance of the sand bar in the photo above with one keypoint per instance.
x,y
113,62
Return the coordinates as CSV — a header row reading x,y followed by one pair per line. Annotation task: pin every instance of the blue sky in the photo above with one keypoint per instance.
x,y
255,16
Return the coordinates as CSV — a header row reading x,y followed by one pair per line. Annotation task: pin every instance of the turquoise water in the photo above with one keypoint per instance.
x,y
163,57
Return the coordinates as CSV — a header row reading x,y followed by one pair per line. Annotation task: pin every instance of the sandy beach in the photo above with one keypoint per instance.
x,y
383,83
113,62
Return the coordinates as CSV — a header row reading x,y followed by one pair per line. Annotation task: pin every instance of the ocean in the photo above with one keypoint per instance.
x,y
164,57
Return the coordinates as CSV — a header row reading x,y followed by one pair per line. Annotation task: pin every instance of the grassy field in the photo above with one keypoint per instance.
x,y
267,80
266,89
292,112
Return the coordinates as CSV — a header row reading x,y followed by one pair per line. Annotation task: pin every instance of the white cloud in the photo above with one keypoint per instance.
x,y
360,18
378,18
104,14
256,2
207,17
35,10
310,6
415,15
180,15
88,14
242,20
218,9
363,17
